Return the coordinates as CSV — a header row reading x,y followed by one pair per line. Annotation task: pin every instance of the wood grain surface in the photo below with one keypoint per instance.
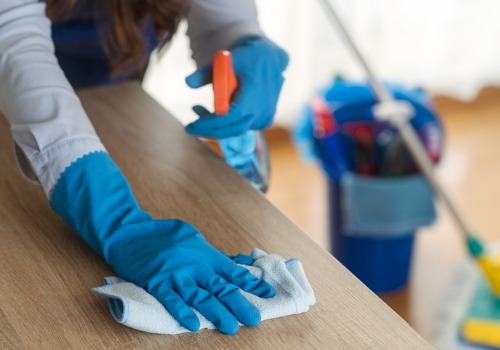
x,y
47,271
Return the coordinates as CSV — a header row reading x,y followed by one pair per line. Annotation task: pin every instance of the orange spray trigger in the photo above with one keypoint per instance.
x,y
224,81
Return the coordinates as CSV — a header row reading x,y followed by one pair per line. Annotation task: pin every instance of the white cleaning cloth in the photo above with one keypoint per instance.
x,y
136,308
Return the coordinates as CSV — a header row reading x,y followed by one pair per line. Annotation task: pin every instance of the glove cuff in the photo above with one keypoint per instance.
x,y
93,197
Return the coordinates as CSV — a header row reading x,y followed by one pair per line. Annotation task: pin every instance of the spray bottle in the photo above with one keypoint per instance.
x,y
247,153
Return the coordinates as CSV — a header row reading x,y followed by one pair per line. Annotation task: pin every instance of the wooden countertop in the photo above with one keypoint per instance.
x,y
47,270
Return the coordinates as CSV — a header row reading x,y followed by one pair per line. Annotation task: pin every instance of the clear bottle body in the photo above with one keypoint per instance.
x,y
249,155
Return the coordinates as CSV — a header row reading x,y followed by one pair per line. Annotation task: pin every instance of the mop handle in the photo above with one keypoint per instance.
x,y
408,133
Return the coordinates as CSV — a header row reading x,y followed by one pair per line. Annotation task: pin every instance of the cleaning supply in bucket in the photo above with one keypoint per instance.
x,y
326,132
247,153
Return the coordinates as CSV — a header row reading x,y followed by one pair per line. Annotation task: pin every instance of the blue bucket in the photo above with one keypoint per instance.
x,y
381,263
372,222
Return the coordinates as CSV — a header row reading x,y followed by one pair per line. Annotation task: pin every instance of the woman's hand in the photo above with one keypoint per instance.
x,y
168,258
175,264
259,65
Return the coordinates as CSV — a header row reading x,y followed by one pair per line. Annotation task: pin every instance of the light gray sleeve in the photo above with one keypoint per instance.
x,y
48,124
216,24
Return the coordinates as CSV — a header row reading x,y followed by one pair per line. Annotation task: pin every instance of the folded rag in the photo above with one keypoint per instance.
x,y
134,307
385,207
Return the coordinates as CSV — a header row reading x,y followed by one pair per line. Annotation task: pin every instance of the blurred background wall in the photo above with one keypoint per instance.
x,y
448,47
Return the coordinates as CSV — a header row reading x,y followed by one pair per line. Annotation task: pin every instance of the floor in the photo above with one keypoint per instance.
x,y
470,172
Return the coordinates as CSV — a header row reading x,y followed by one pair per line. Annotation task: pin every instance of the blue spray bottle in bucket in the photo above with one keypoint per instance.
x,y
246,153
328,139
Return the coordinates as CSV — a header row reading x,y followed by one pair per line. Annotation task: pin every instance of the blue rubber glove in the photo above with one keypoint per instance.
x,y
258,64
168,258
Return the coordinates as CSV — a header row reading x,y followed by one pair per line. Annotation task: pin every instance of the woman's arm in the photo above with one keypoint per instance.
x,y
47,120
217,24
169,258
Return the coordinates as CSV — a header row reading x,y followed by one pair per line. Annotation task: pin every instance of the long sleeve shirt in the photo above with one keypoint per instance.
x,y
50,128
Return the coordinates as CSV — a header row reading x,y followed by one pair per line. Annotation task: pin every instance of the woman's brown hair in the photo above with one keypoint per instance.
x,y
124,43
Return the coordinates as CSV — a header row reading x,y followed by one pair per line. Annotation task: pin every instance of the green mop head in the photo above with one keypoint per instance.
x,y
469,316
481,324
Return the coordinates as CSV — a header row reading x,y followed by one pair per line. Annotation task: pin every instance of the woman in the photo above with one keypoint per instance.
x,y
93,42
